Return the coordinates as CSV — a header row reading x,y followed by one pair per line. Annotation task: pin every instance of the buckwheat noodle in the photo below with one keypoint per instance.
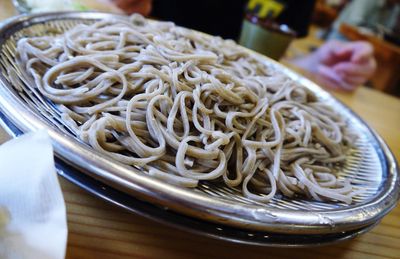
x,y
188,107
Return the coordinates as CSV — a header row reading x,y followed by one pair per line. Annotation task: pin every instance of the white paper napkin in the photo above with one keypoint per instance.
x,y
32,209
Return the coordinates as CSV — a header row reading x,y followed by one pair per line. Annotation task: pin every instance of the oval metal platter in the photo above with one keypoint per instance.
x,y
370,166
190,224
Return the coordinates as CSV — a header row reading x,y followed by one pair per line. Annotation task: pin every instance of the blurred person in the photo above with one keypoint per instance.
x,y
220,18
336,64
372,14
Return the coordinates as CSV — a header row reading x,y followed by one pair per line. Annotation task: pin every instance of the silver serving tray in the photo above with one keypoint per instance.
x,y
371,166
190,224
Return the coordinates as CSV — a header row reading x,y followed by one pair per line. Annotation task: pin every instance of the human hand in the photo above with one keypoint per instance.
x,y
341,65
134,6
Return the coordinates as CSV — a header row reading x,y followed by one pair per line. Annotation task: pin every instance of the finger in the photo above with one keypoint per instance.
x,y
326,54
335,85
351,69
354,80
327,83
328,72
331,76
362,52
357,52
343,52
344,49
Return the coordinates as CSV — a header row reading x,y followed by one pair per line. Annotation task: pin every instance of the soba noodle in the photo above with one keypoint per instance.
x,y
187,107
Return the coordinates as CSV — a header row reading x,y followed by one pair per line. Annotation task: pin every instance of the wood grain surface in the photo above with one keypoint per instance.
x,y
100,230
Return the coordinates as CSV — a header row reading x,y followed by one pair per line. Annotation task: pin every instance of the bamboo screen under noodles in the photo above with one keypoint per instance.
x,y
188,107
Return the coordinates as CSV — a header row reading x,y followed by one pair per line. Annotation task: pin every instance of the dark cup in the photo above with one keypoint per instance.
x,y
265,37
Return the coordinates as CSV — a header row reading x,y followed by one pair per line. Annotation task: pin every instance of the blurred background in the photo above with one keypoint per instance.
x,y
285,30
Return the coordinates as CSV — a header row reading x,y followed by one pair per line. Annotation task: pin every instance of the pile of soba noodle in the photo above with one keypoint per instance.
x,y
187,107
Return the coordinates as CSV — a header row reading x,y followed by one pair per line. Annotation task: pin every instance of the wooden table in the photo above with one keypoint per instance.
x,y
100,230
